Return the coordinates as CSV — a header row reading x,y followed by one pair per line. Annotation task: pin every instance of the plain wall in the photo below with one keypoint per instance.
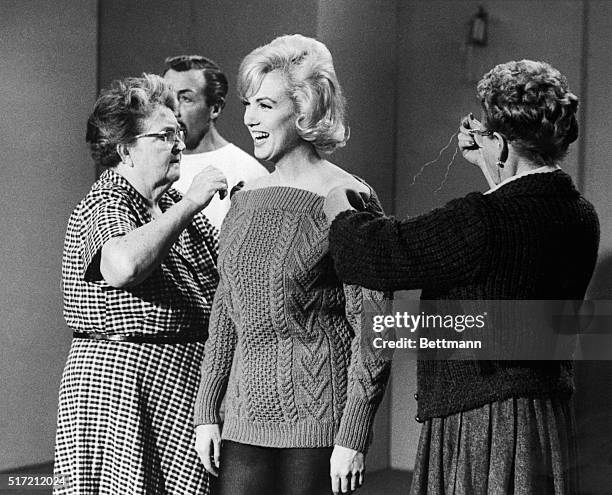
x,y
48,81
438,76
437,86
593,397
598,149
366,60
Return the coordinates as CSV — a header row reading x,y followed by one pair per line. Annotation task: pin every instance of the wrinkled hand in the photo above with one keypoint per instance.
x,y
469,149
346,469
208,447
205,185
353,196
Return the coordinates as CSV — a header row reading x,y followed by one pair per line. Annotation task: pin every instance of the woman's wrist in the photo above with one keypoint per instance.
x,y
190,206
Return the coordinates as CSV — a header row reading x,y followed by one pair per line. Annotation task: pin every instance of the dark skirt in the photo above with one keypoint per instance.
x,y
517,446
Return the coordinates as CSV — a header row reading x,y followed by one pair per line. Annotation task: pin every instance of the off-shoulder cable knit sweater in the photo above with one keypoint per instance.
x,y
284,331
534,238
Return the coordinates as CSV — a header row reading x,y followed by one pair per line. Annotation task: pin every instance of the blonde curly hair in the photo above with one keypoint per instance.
x,y
307,67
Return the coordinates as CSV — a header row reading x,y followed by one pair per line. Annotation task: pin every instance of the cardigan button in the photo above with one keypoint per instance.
x,y
418,419
416,396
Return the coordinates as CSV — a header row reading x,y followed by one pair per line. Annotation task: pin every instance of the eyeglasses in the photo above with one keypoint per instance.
x,y
170,136
481,133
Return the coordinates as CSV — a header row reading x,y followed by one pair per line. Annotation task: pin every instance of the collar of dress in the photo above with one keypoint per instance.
x,y
540,170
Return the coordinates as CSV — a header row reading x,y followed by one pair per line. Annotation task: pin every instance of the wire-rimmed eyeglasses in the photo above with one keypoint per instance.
x,y
481,133
172,136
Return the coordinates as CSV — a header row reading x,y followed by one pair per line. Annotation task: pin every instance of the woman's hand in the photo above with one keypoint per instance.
x,y
469,149
351,196
208,447
205,185
346,469
129,259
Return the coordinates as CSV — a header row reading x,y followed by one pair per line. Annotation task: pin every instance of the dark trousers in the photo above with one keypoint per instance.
x,y
249,469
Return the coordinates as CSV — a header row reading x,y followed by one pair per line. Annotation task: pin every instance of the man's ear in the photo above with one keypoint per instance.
x,y
215,111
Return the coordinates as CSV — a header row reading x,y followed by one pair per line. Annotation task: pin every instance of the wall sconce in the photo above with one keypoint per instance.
x,y
477,37
478,28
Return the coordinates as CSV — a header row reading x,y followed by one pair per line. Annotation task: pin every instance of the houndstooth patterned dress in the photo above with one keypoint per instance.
x,y
125,419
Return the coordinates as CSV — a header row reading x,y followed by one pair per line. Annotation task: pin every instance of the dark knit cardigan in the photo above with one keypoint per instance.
x,y
534,238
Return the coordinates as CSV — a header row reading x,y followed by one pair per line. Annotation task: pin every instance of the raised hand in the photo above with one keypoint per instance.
x,y
205,185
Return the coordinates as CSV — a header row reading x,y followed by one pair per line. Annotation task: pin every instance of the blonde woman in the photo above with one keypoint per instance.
x,y
284,335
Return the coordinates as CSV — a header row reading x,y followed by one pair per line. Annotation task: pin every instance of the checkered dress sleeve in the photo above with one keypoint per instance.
x,y
106,215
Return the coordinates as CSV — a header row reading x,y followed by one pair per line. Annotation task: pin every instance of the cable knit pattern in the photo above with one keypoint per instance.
x,y
288,330
535,238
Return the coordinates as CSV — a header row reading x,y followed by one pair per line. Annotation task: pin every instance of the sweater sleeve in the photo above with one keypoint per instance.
x,y
440,248
368,372
218,356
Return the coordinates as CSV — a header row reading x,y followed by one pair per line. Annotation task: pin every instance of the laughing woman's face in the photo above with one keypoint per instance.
x,y
270,117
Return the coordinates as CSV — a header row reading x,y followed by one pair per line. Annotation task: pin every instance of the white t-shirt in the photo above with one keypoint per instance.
x,y
233,162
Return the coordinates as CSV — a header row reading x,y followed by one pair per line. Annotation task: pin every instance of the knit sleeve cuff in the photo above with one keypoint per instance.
x,y
356,425
208,401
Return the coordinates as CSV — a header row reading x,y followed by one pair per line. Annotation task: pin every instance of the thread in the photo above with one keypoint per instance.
x,y
448,167
422,170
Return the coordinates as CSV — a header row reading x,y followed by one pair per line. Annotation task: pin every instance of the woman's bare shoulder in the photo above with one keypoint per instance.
x,y
258,183
336,176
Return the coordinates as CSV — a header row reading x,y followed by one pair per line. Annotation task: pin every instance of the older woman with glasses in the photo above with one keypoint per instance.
x,y
139,274
491,427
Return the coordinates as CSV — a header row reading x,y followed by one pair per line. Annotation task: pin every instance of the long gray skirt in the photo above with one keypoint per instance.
x,y
517,446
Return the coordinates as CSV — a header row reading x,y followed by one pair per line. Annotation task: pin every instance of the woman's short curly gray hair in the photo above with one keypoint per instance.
x,y
119,113
530,103
307,67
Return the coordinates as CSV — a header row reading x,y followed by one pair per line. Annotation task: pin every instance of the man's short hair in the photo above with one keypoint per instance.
x,y
216,87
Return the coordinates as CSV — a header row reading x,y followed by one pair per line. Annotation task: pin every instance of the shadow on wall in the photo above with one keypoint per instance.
x,y
593,400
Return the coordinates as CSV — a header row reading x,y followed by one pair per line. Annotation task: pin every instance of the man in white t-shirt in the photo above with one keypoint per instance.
x,y
201,89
